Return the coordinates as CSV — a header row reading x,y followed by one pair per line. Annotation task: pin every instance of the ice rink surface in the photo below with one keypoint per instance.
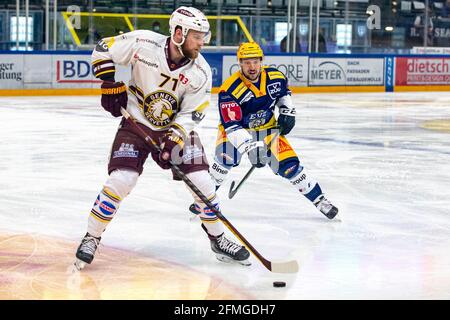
x,y
377,156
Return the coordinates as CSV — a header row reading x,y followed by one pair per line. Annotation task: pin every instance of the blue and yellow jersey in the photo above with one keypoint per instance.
x,y
243,104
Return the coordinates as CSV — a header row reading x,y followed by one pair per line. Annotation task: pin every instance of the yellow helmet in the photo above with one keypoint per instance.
x,y
249,50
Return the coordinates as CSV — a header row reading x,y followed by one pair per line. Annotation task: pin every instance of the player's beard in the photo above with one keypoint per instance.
x,y
252,77
190,54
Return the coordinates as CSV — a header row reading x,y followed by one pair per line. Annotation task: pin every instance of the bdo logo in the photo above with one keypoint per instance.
x,y
75,71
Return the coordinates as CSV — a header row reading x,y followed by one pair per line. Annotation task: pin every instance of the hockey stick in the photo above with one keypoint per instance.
x,y
232,191
278,267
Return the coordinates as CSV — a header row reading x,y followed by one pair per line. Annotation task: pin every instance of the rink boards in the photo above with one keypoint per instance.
x,y
69,72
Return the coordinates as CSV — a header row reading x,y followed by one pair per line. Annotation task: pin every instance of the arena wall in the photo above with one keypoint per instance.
x,y
70,73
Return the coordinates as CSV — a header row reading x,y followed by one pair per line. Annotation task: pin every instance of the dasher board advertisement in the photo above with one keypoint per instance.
x,y
422,71
295,68
346,71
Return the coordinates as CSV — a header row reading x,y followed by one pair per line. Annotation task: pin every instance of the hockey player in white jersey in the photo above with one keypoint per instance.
x,y
169,88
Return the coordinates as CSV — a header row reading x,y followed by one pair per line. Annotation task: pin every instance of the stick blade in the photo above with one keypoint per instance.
x,y
232,192
285,267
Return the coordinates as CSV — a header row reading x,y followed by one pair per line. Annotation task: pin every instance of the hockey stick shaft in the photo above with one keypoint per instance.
x,y
232,191
280,267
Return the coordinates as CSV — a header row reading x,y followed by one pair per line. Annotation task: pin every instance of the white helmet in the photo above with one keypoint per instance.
x,y
188,18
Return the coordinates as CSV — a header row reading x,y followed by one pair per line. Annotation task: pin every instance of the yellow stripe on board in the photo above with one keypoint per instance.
x,y
50,92
215,90
421,88
331,89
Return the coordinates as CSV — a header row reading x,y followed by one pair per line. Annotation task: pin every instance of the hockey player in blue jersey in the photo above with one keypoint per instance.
x,y
248,125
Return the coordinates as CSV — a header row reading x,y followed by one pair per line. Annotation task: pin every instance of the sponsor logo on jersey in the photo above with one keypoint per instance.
x,y
148,41
297,181
283,146
126,150
185,12
192,152
197,116
218,169
102,46
274,89
231,111
146,62
209,212
247,97
160,108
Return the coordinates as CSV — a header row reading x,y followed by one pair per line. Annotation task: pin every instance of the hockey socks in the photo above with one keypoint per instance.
x,y
102,212
311,190
307,186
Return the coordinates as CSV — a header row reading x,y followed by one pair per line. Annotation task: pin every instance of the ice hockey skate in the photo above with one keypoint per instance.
x,y
229,251
325,206
86,251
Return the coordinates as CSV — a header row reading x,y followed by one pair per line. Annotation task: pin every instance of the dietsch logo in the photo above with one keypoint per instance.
x,y
428,66
74,71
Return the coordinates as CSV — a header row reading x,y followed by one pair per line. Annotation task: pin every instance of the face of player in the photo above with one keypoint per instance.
x,y
251,68
193,44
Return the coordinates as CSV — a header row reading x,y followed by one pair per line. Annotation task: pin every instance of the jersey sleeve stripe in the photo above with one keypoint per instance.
x,y
98,74
101,62
273,77
202,107
138,95
239,91
103,66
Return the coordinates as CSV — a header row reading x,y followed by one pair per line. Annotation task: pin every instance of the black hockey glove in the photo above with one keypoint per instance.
x,y
114,96
286,120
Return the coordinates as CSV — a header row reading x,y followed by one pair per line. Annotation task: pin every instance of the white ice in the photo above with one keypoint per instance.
x,y
389,177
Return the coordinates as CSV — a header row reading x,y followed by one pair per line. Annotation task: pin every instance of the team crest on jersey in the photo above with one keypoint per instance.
x,y
160,108
273,89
